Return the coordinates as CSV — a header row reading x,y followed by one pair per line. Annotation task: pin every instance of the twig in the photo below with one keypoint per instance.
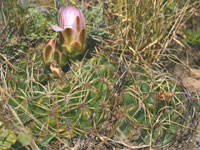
x,y
9,63
133,147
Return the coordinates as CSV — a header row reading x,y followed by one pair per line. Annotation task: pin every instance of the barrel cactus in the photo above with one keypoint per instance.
x,y
158,111
104,98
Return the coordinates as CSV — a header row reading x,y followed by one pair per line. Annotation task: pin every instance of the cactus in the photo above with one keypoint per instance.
x,y
157,111
142,106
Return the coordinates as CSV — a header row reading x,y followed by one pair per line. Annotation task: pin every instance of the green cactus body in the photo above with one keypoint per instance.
x,y
156,109
91,86
149,108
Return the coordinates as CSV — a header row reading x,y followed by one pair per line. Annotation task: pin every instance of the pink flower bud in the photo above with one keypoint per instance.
x,y
72,30
70,17
48,52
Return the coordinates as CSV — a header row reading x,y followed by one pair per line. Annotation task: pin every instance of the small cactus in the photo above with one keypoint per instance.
x,y
156,110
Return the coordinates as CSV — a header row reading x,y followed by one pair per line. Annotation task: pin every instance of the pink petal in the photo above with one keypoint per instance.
x,y
56,28
67,17
82,19
70,17
60,16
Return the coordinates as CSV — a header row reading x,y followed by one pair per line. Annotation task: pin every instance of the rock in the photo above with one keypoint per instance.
x,y
192,83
